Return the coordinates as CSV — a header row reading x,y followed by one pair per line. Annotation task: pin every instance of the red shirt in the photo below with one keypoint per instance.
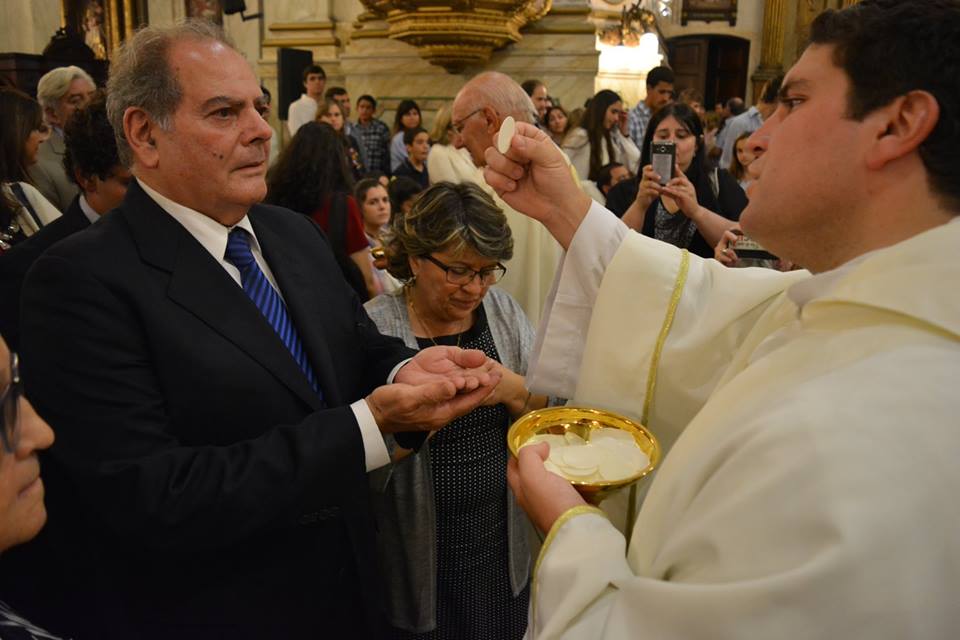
x,y
356,238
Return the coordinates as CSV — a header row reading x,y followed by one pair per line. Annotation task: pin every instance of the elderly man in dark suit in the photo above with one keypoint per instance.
x,y
218,392
92,163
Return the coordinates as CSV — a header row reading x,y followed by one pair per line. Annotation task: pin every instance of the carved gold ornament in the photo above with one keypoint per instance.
x,y
456,35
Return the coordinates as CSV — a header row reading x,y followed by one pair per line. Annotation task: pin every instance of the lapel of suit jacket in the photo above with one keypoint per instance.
x,y
309,300
199,284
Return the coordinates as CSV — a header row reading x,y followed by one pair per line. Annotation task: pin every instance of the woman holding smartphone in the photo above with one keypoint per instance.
x,y
692,207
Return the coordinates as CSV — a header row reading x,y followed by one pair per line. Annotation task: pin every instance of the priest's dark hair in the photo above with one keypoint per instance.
x,y
889,48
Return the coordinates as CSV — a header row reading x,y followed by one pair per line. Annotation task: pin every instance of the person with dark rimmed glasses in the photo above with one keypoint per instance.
x,y
449,527
22,513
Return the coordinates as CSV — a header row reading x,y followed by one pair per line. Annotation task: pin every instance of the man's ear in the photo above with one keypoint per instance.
x,y
87,184
140,131
901,127
493,120
51,116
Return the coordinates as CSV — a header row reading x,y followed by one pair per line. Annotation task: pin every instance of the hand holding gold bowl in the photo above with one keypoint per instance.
x,y
582,423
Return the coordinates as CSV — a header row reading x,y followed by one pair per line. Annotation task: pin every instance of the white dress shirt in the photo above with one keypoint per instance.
x,y
302,111
88,211
212,236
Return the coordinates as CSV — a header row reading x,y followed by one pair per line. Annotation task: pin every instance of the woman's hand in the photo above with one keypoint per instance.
x,y
624,121
649,188
724,252
512,392
647,191
683,193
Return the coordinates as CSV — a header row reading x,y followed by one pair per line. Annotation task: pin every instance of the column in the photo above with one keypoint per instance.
x,y
771,51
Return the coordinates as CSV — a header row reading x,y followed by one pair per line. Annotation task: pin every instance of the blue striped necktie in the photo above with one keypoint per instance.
x,y
268,301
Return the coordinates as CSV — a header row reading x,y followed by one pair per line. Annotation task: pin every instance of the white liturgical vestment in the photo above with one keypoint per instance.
x,y
811,487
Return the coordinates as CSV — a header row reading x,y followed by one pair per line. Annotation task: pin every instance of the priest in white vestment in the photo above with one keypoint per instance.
x,y
812,421
479,109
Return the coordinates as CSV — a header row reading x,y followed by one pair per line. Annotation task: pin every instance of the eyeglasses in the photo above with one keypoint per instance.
x,y
9,407
464,275
457,126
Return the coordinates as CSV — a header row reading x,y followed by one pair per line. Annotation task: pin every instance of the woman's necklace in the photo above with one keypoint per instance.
x,y
423,325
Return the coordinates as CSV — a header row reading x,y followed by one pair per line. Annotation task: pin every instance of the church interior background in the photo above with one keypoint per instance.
x,y
427,49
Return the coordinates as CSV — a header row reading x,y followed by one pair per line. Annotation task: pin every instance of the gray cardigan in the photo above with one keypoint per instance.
x,y
403,492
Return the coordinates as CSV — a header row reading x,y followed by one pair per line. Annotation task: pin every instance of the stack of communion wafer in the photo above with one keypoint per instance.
x,y
609,456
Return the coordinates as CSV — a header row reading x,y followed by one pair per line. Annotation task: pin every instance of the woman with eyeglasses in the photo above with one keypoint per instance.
x,y
23,209
22,514
600,139
452,539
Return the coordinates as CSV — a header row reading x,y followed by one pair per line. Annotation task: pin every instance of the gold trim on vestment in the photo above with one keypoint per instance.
x,y
678,287
569,514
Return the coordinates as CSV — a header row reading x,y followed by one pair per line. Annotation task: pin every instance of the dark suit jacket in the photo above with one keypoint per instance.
x,y
211,494
15,263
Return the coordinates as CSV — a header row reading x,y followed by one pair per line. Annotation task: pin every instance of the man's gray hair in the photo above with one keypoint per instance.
x,y
140,75
502,93
55,84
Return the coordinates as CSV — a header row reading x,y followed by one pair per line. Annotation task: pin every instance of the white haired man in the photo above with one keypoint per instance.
x,y
60,93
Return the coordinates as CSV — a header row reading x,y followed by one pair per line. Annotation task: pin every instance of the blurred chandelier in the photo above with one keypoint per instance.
x,y
635,21
455,34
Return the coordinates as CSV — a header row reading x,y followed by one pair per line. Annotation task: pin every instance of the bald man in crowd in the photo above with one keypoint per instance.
x,y
478,111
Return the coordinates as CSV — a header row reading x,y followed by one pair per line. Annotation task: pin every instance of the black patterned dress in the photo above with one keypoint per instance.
x,y
468,460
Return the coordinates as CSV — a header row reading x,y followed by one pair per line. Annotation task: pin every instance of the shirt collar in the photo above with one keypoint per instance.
x,y
815,286
88,211
208,232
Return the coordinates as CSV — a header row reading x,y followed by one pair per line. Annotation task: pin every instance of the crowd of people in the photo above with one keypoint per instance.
x,y
270,387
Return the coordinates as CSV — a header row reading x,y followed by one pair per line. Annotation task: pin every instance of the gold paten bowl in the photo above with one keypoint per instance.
x,y
582,421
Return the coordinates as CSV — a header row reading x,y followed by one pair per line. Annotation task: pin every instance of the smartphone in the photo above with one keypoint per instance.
x,y
747,247
663,155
